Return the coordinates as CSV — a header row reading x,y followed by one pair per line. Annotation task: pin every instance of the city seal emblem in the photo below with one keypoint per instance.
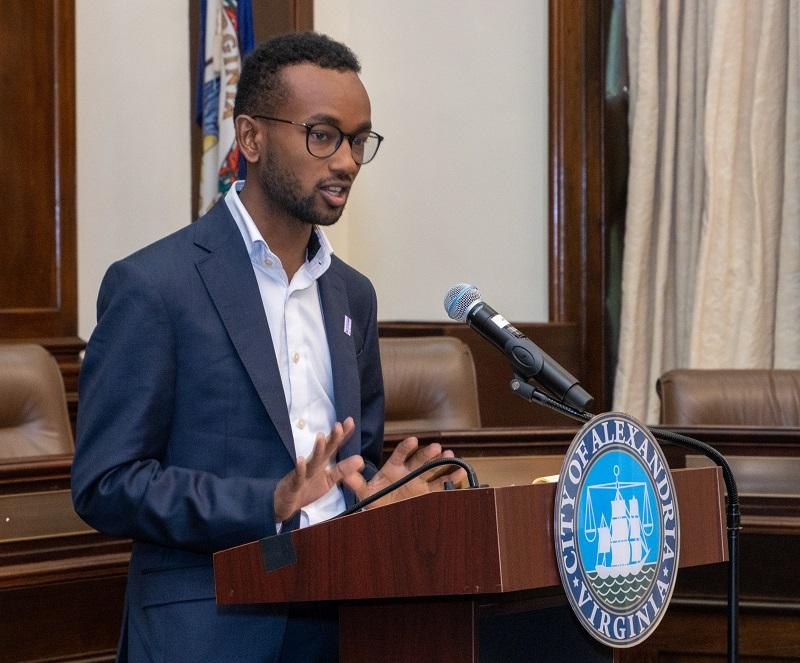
x,y
617,534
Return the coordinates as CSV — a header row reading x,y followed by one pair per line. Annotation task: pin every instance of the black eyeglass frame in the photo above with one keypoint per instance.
x,y
342,136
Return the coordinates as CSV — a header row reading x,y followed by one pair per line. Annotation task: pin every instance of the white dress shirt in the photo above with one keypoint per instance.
x,y
294,315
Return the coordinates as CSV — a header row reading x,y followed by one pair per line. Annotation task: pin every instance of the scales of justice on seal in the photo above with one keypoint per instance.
x,y
616,522
617,530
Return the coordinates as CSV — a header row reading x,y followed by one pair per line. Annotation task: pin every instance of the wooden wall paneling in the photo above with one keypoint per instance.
x,y
61,584
61,596
697,634
53,586
577,181
72,621
64,621
38,261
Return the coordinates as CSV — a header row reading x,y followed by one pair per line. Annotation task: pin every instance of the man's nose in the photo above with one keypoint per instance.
x,y
342,159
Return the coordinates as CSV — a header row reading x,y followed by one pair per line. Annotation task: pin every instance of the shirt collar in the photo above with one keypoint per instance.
x,y
318,251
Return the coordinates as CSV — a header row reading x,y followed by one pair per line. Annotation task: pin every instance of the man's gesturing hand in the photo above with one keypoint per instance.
x,y
406,457
312,477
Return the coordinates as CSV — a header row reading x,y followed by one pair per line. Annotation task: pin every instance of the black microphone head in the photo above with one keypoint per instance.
x,y
460,299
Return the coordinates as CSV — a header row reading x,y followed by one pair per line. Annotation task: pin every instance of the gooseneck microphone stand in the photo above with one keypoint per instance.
x,y
531,394
472,479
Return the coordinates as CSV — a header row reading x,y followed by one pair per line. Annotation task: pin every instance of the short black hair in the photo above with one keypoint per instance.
x,y
261,88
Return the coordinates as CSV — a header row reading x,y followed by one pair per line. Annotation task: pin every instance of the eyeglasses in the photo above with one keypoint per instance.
x,y
322,140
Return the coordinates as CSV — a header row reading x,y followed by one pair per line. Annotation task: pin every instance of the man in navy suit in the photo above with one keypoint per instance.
x,y
232,387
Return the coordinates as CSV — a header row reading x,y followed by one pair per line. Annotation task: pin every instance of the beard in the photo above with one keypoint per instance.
x,y
283,190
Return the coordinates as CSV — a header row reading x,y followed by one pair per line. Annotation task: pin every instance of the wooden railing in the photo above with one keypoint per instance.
x,y
62,584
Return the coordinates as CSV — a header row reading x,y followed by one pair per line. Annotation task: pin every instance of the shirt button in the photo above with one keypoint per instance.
x,y
268,263
301,424
295,357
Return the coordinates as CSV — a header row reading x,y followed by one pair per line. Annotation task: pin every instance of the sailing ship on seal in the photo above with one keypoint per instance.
x,y
622,548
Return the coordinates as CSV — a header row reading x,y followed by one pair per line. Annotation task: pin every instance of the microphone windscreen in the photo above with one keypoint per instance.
x,y
460,299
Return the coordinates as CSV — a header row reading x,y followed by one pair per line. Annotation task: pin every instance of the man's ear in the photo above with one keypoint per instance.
x,y
249,138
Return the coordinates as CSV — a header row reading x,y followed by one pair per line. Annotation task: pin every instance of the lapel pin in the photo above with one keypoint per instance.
x,y
348,323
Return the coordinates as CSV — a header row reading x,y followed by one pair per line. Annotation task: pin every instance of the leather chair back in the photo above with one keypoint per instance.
x,y
429,383
33,407
730,397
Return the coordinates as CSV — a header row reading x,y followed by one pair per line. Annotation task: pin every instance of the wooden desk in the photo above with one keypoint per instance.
x,y
62,584
766,463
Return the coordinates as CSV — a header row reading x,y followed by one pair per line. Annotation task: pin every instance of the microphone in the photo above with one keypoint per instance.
x,y
463,303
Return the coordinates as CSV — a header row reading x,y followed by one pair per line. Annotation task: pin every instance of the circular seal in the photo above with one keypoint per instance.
x,y
616,530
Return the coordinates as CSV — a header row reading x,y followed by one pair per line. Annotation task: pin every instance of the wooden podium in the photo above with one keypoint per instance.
x,y
461,575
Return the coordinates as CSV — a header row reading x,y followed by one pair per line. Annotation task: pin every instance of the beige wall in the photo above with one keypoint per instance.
x,y
459,190
132,80
458,193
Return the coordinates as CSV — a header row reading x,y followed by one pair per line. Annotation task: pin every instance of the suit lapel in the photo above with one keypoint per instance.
x,y
228,276
346,383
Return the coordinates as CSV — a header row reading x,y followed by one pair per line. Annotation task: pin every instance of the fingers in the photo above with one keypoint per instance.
x,y
409,454
348,426
443,473
347,468
325,448
288,491
356,482
300,471
348,472
441,470
314,475
320,454
403,451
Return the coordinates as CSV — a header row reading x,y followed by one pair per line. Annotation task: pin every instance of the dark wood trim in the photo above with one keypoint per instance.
x,y
577,181
36,474
303,15
65,176
49,228
55,583
55,314
694,633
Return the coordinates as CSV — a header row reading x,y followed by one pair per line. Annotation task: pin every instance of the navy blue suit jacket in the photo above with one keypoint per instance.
x,y
183,429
